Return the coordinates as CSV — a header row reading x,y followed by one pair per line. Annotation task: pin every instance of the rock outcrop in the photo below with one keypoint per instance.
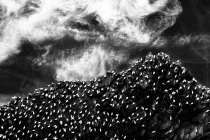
x,y
154,99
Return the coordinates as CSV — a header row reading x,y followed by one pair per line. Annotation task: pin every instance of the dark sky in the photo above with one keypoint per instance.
x,y
195,18
18,76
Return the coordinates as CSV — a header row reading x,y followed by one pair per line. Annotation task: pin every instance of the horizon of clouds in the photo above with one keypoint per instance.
x,y
121,22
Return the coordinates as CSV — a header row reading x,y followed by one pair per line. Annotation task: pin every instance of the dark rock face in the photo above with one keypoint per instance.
x,y
154,99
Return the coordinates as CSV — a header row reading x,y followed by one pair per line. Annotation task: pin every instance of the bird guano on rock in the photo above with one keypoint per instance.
x,y
154,99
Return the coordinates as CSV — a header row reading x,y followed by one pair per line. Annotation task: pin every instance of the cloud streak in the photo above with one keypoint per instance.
x,y
98,21
92,63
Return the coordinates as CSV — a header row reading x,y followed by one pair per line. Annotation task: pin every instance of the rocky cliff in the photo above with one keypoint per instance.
x,y
154,99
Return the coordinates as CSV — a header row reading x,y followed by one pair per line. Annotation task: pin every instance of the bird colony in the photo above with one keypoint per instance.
x,y
154,99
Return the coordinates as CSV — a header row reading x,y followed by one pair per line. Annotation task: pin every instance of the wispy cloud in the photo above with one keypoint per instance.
x,y
118,21
93,62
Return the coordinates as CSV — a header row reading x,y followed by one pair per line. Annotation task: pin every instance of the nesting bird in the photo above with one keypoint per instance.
x,y
154,99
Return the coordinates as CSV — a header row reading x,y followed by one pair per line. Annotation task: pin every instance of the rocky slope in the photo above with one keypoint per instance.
x,y
154,99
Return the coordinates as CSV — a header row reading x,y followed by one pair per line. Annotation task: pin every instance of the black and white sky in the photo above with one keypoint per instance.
x,y
44,41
